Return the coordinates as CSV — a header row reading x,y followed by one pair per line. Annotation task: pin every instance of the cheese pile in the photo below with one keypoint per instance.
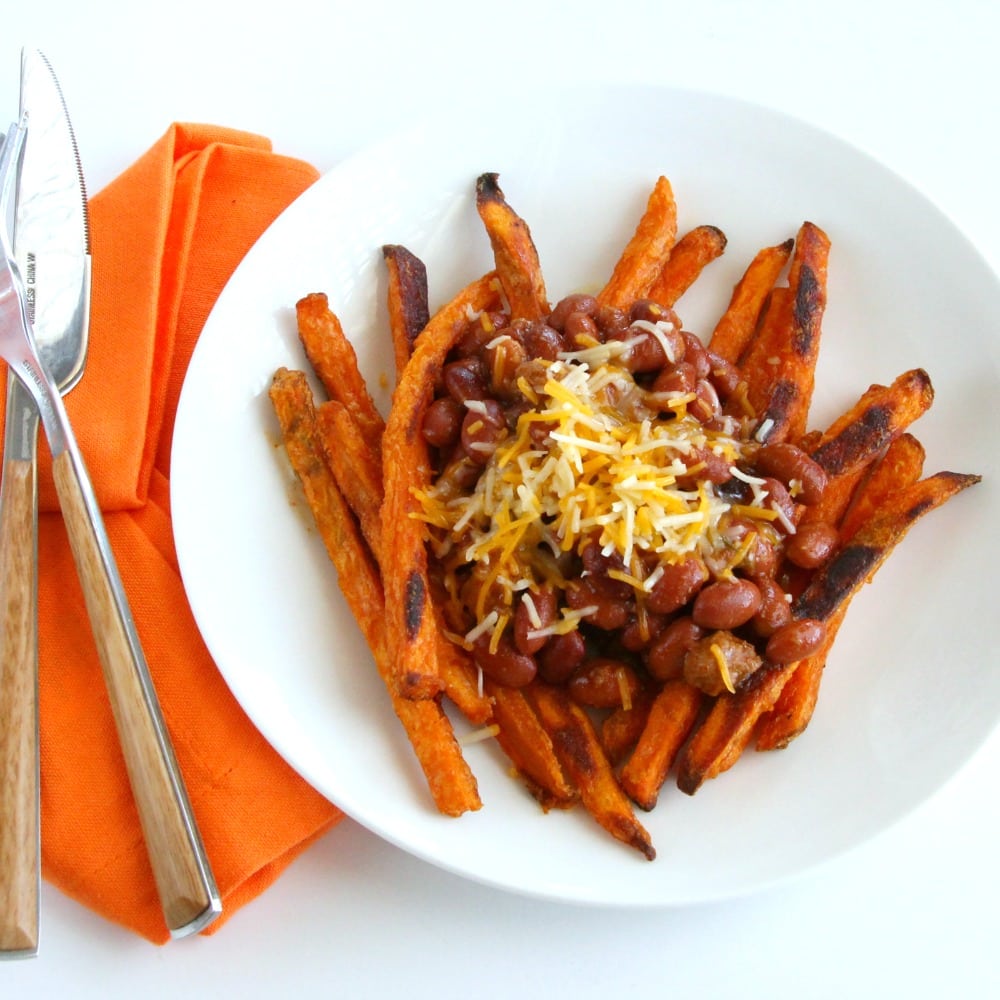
x,y
598,474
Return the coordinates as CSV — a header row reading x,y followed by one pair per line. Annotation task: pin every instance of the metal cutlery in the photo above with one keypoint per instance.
x,y
42,226
43,324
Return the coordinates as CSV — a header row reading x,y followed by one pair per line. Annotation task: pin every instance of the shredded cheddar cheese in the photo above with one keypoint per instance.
x,y
720,659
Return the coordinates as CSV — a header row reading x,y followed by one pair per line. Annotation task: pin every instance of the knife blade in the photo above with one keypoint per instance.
x,y
183,877
49,215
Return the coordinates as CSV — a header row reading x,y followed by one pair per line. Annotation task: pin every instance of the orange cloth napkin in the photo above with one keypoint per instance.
x,y
166,236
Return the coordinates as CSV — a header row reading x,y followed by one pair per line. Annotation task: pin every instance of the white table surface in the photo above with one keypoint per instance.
x,y
912,913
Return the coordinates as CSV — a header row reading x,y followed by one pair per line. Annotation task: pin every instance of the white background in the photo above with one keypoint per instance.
x,y
911,914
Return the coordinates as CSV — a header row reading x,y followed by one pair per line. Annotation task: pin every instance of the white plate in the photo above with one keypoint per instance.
x,y
911,690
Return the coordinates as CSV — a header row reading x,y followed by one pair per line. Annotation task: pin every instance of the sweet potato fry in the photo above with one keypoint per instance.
x,y
407,299
902,464
780,362
881,414
621,729
736,326
642,259
671,719
528,746
410,619
729,726
513,250
691,254
356,466
579,751
294,407
333,360
451,782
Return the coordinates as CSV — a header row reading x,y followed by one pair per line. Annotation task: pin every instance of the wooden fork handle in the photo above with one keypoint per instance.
x,y
184,881
19,821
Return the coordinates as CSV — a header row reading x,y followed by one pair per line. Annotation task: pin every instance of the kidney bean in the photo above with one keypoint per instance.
x,y
561,655
479,333
795,640
792,465
696,354
724,375
609,613
597,566
644,353
706,403
779,498
653,312
502,360
539,339
761,558
466,379
675,381
641,631
585,305
726,604
459,474
599,683
701,665
545,607
610,321
812,544
664,658
483,428
505,664
580,331
707,465
443,422
679,582
774,610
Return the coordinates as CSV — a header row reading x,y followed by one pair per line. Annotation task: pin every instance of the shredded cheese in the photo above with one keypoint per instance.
x,y
720,659
478,735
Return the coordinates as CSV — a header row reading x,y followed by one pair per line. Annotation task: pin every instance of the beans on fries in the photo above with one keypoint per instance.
x,y
613,547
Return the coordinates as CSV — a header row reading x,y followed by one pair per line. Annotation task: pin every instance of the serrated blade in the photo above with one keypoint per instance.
x,y
51,230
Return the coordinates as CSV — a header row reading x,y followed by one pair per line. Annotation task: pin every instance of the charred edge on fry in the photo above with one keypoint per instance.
x,y
414,601
413,286
826,594
866,435
783,399
959,481
809,301
720,237
488,188
629,835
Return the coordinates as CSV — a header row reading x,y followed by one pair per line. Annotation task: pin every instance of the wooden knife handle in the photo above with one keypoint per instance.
x,y
183,878
19,829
